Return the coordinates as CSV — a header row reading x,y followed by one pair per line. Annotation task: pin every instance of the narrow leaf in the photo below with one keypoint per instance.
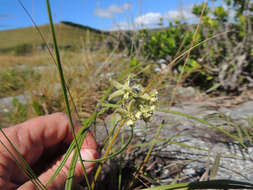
x,y
206,123
212,184
71,171
116,94
116,84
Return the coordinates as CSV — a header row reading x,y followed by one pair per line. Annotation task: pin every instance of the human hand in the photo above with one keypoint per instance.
x,y
42,142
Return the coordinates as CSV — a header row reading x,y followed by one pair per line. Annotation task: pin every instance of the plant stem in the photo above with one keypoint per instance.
x,y
64,88
106,154
147,156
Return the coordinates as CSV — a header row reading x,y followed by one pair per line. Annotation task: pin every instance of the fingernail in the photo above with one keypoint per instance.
x,y
87,154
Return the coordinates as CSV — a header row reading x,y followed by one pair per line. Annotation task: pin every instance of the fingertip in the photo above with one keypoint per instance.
x,y
33,136
89,154
89,142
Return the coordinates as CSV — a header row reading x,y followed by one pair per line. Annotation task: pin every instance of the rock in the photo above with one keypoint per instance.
x,y
6,103
161,61
244,111
187,92
189,148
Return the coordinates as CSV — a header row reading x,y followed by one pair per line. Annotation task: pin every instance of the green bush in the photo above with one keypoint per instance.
x,y
210,62
23,49
166,43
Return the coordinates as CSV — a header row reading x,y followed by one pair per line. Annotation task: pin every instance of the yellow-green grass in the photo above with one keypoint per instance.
x,y
66,35
39,58
18,73
36,74
43,58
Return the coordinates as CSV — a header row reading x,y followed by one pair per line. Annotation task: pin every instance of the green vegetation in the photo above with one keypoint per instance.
x,y
224,62
23,49
215,56
19,113
70,36
16,81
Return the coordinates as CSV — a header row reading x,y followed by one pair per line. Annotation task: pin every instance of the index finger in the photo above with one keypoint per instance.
x,y
32,137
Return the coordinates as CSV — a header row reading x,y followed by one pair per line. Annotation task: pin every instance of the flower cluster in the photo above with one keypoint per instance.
x,y
136,104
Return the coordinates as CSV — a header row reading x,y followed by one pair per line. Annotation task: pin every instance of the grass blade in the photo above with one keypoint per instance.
x,y
107,153
22,164
215,168
64,160
116,153
188,54
153,142
80,134
206,123
71,172
64,86
212,184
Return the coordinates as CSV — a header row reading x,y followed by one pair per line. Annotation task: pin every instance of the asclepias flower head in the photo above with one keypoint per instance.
x,y
135,104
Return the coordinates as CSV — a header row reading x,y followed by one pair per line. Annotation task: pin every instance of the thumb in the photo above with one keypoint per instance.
x,y
88,152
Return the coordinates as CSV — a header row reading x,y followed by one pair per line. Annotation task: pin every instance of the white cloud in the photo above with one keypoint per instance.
x,y
185,13
148,19
152,19
122,26
112,10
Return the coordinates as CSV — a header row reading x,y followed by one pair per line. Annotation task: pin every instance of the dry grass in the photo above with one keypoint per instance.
x,y
87,74
29,60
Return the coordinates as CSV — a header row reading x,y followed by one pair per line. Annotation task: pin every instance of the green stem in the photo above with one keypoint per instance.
x,y
22,164
106,154
64,87
147,156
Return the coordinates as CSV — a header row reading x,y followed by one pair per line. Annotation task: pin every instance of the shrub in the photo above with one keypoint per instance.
x,y
23,49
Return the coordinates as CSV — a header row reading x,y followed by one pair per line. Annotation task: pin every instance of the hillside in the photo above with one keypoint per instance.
x,y
68,34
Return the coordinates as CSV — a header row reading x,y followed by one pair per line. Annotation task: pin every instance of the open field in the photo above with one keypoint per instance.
x,y
169,106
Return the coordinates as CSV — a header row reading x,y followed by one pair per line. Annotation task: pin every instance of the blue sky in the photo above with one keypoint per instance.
x,y
100,14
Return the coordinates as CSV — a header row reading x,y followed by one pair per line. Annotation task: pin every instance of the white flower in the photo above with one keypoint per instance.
x,y
129,122
135,103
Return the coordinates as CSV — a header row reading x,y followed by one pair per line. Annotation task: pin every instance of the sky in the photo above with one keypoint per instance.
x,y
99,14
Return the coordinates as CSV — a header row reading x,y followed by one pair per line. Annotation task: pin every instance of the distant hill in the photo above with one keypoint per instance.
x,y
84,27
68,34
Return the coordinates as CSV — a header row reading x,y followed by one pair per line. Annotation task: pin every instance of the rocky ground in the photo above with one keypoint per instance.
x,y
196,147
188,150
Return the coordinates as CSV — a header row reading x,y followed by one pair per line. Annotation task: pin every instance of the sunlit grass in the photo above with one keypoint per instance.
x,y
86,75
